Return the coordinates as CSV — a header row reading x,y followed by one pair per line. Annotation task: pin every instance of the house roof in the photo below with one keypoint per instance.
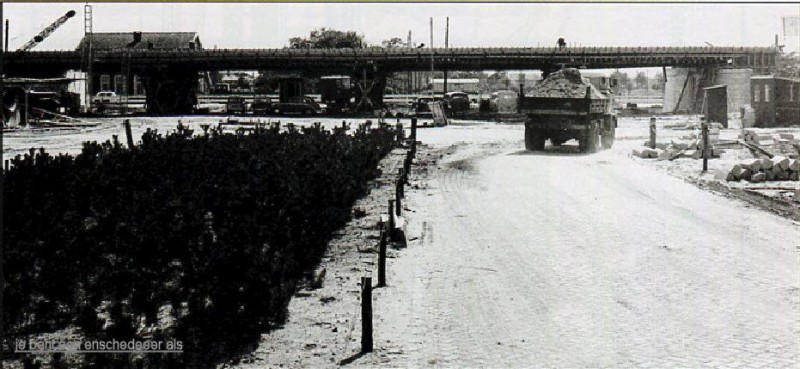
x,y
159,40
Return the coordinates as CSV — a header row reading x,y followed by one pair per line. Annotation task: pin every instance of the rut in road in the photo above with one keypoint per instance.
x,y
559,260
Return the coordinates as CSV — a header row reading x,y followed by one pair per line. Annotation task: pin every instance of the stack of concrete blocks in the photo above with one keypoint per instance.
x,y
779,168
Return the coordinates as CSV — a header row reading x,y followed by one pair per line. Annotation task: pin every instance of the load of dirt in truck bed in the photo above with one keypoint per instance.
x,y
566,83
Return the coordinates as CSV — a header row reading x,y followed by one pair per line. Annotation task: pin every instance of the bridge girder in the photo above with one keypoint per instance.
x,y
400,59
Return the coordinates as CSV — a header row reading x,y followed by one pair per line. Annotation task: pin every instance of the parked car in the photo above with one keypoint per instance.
x,y
261,105
504,101
298,105
420,107
456,102
106,97
236,105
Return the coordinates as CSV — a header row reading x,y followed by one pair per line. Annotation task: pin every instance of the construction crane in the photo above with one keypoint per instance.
x,y
47,31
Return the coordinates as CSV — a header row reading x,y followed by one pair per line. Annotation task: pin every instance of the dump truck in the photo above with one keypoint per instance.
x,y
566,106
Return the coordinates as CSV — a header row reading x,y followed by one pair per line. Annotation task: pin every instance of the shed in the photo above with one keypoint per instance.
x,y
776,101
716,104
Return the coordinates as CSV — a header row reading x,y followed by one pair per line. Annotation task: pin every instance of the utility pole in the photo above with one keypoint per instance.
x,y
433,85
87,54
7,28
446,46
2,179
410,74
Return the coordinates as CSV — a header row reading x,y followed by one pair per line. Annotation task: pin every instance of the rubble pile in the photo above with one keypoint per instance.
x,y
566,83
778,168
688,146
784,144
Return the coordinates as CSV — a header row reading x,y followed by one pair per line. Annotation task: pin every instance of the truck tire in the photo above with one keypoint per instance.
x,y
607,138
528,139
588,141
534,140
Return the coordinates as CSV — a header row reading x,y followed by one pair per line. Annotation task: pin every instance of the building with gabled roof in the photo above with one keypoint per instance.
x,y
143,40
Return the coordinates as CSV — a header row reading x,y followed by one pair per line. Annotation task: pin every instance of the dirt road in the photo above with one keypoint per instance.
x,y
568,260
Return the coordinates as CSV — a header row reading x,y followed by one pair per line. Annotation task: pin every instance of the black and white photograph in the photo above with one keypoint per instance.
x,y
250,185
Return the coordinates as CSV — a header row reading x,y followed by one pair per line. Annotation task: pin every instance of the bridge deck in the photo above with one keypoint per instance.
x,y
405,59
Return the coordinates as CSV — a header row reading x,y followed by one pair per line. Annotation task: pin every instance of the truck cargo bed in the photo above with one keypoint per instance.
x,y
561,106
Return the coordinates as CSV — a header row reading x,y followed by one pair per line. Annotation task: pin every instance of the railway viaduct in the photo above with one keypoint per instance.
x,y
171,75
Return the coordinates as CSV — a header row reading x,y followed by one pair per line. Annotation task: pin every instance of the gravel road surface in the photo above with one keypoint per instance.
x,y
566,260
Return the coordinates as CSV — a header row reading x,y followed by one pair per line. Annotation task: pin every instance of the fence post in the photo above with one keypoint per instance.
x,y
127,124
401,180
398,196
413,136
705,146
653,133
366,314
391,217
7,165
382,259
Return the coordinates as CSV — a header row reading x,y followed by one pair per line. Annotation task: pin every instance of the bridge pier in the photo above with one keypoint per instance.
x,y
170,89
683,92
370,89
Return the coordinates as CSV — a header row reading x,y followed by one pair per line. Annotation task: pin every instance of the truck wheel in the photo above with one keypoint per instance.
x,y
588,140
528,139
534,140
608,136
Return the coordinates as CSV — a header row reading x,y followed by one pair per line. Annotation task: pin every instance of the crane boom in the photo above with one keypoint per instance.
x,y
47,31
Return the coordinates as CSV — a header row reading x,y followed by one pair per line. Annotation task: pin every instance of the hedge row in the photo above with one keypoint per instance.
x,y
197,238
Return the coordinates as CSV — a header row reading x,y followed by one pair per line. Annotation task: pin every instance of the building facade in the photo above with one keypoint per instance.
x,y
130,83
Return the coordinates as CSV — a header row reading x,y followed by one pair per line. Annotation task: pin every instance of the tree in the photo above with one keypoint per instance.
x,y
393,42
658,84
641,80
623,82
324,38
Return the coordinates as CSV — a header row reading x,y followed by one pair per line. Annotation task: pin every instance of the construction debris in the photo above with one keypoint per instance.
x,y
677,149
778,168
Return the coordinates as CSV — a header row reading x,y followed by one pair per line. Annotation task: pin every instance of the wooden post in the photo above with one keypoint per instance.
x,y
128,135
401,179
653,133
398,196
7,165
366,314
382,259
705,146
391,217
400,133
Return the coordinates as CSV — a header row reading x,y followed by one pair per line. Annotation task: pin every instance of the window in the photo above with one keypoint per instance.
x,y
138,88
105,82
766,93
119,84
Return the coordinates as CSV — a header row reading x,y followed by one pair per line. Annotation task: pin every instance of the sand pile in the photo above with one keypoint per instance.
x,y
565,83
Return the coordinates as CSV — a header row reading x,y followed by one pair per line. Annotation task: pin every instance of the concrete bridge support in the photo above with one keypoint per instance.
x,y
170,90
683,92
370,88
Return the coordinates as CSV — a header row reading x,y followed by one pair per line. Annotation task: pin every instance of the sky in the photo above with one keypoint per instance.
x,y
270,25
